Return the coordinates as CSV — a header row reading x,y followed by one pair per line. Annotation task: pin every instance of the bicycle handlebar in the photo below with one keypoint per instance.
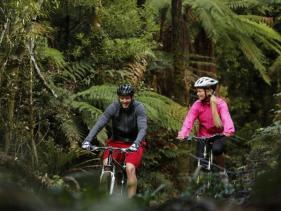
x,y
190,138
95,148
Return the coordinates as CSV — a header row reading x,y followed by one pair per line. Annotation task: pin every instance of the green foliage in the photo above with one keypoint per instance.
x,y
276,65
81,44
86,3
223,25
164,116
54,159
160,61
116,23
53,55
160,9
246,96
78,71
160,110
164,166
208,185
117,50
266,189
262,158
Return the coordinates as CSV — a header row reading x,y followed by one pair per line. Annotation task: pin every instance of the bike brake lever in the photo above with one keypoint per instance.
x,y
188,138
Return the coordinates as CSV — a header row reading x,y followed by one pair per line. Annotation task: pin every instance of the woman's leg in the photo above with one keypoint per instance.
x,y
218,150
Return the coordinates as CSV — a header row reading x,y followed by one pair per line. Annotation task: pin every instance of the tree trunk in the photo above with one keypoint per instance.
x,y
180,51
12,86
205,47
31,118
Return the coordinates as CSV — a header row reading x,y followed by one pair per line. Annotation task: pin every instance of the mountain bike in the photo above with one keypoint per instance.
x,y
113,175
207,174
206,162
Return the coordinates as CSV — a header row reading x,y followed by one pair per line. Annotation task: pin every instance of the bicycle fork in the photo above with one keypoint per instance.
x,y
112,177
210,160
123,178
199,165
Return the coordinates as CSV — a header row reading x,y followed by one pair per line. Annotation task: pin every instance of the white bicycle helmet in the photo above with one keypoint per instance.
x,y
205,82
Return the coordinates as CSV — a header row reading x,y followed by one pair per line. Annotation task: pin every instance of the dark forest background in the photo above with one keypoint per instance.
x,y
62,60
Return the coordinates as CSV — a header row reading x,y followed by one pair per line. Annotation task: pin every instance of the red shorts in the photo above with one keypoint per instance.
x,y
131,157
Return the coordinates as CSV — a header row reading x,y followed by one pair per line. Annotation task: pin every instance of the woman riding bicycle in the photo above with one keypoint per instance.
x,y
129,125
213,116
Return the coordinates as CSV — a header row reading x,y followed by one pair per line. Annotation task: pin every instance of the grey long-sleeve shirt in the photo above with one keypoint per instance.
x,y
128,125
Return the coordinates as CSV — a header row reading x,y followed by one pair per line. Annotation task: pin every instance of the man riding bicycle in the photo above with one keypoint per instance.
x,y
129,125
214,118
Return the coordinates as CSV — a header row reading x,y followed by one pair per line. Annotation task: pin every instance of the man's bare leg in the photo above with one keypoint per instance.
x,y
131,179
105,161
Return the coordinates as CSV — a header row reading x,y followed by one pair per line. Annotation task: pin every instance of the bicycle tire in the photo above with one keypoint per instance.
x,y
122,184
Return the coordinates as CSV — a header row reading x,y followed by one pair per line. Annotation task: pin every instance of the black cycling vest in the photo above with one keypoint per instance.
x,y
128,125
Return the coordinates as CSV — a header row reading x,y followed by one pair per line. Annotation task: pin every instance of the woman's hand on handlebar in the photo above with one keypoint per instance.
x,y
180,137
227,134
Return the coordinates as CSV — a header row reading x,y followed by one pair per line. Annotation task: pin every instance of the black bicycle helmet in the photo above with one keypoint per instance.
x,y
125,90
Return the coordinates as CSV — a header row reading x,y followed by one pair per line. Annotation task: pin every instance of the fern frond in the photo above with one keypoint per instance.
x,y
78,70
270,44
53,54
161,110
255,55
100,96
90,115
90,110
262,29
159,7
258,19
136,70
276,66
237,4
69,128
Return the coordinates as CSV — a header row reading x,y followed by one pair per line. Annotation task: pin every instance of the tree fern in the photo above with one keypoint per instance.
x,y
276,66
52,54
160,8
161,110
258,19
78,70
255,55
236,4
70,129
222,24
84,73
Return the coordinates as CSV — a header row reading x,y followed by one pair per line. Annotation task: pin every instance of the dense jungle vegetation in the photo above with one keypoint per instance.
x,y
61,62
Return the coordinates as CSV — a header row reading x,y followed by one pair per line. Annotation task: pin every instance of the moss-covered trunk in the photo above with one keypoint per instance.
x,y
180,49
31,119
13,71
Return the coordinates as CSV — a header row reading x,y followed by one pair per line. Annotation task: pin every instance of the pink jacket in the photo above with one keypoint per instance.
x,y
202,112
